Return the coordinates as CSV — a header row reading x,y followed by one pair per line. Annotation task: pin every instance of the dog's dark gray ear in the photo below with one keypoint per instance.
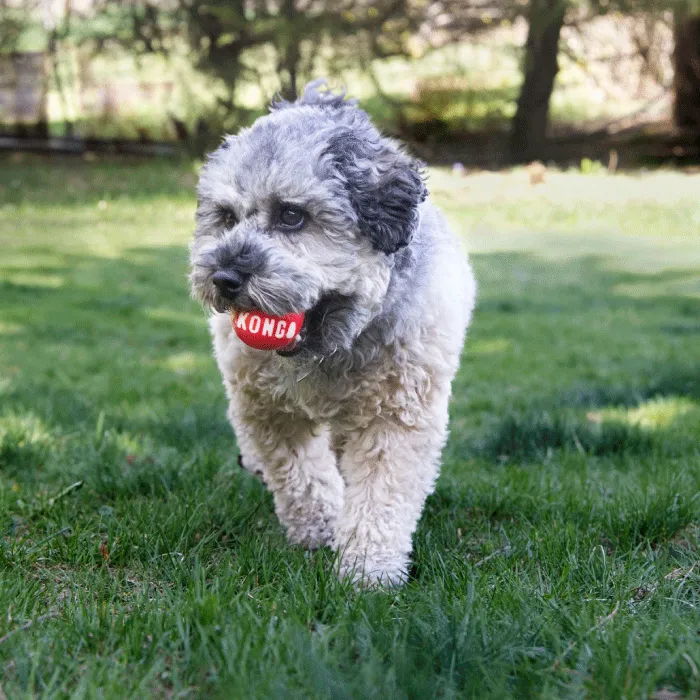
x,y
385,187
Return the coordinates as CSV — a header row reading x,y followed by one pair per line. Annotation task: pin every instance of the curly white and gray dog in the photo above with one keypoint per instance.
x,y
312,210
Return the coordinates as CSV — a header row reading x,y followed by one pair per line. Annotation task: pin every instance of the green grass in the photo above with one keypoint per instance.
x,y
558,557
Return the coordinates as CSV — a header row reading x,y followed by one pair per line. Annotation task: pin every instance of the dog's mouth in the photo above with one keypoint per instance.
x,y
310,330
327,327
296,346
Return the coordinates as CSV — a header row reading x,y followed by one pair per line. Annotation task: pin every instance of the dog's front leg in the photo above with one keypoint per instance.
x,y
297,464
389,469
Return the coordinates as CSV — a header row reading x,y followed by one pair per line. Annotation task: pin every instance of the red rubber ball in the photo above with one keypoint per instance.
x,y
264,331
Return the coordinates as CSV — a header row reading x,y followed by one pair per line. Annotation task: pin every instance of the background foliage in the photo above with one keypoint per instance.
x,y
427,71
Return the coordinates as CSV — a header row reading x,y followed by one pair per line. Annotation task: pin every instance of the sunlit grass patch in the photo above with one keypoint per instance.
x,y
688,285
664,412
35,279
25,442
488,347
186,362
10,328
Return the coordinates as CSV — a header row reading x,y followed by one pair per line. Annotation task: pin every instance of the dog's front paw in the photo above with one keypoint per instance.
x,y
310,533
251,466
373,569
309,517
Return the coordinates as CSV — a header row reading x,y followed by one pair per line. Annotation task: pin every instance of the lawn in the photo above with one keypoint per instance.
x,y
558,557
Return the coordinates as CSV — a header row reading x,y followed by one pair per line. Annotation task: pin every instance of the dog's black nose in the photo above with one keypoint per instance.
x,y
228,282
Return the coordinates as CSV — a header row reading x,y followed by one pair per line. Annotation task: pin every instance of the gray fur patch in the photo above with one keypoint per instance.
x,y
384,185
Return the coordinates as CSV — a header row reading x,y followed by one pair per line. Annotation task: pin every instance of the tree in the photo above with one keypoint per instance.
x,y
546,20
540,68
687,71
227,40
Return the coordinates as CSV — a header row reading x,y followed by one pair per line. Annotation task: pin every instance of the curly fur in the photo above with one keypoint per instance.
x,y
347,432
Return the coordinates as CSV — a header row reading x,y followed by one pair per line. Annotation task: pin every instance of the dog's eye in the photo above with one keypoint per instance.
x,y
227,217
291,217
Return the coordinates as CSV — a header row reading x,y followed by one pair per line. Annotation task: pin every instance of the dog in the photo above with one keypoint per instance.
x,y
312,210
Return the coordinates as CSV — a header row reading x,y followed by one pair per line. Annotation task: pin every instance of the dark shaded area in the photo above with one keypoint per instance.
x,y
556,423
437,143
686,57
489,149
32,143
678,380
533,437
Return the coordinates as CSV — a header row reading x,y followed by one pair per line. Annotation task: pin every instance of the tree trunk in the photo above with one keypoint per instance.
x,y
529,129
290,48
290,71
61,87
41,128
687,73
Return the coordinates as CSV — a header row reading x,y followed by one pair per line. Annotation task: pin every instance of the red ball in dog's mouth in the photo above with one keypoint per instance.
x,y
265,331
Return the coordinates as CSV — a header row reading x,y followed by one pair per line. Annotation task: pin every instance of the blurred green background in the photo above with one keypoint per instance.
x,y
475,81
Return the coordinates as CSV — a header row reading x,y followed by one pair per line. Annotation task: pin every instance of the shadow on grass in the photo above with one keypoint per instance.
x,y
549,425
535,436
115,367
560,338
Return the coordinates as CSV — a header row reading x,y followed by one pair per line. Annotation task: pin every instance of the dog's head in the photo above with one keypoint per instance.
x,y
304,211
